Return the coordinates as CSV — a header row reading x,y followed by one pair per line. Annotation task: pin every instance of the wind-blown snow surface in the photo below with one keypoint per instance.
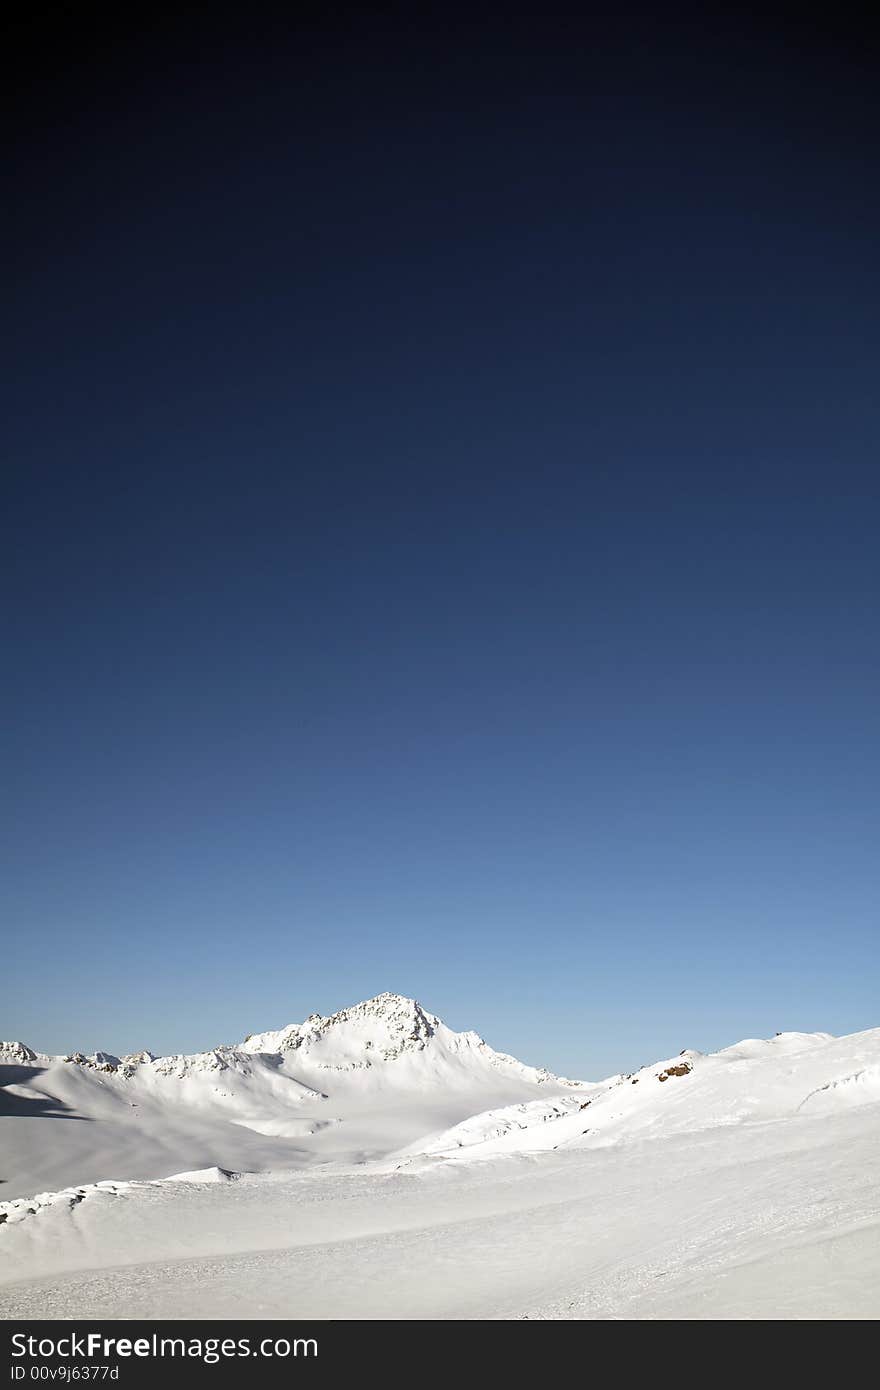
x,y
454,1182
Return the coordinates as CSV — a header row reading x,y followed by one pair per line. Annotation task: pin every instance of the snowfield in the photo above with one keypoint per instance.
x,y
377,1164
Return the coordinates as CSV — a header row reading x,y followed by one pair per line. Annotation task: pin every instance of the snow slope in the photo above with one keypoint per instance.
x,y
793,1074
350,1087
753,1221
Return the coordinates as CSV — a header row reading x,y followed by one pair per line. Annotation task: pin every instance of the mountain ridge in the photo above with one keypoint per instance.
x,y
406,1025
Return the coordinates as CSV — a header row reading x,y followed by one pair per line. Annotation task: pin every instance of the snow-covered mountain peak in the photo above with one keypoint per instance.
x,y
356,1084
402,1018
381,1028
11,1052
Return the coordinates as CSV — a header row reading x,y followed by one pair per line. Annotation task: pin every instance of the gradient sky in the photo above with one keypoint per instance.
x,y
442,539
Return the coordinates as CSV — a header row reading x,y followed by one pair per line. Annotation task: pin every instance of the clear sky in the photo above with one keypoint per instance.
x,y
442,535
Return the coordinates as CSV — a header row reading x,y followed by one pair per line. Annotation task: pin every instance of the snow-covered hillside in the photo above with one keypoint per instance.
x,y
755,1081
375,1164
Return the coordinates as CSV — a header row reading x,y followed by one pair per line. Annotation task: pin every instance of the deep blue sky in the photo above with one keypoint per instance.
x,y
442,535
